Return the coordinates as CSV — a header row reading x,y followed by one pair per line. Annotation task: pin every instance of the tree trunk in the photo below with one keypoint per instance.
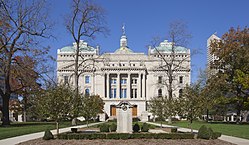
x,y
76,81
207,115
57,127
190,126
238,116
25,109
6,119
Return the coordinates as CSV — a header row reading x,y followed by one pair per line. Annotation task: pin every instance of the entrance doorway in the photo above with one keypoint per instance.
x,y
134,110
113,110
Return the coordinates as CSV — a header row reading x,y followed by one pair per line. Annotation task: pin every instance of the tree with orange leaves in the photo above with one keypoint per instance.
x,y
233,67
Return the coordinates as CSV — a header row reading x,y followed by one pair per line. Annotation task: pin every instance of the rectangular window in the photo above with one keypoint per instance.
x,y
134,93
87,92
160,93
181,79
160,79
87,79
65,79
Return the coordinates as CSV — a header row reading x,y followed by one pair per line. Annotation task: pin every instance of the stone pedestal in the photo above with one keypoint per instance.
x,y
102,117
144,116
20,118
124,117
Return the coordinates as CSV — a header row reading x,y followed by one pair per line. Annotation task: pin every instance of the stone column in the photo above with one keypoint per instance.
x,y
93,84
129,86
118,85
143,86
104,86
108,85
139,86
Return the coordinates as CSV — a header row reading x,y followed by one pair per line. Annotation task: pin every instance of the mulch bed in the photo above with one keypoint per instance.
x,y
127,142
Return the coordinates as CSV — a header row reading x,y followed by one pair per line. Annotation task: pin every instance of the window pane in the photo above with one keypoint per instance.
x,y
159,92
65,79
87,79
180,93
115,93
124,93
87,92
160,79
121,95
181,79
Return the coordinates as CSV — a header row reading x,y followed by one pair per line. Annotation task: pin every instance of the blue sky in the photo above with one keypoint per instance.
x,y
145,19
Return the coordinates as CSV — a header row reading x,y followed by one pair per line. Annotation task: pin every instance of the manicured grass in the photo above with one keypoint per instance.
x,y
17,129
236,130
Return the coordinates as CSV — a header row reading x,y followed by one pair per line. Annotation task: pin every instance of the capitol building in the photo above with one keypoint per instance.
x,y
124,74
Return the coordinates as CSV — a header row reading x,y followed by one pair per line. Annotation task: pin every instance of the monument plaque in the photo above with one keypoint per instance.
x,y
124,117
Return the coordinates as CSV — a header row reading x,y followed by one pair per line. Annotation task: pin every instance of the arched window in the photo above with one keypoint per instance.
x,y
87,92
160,93
180,93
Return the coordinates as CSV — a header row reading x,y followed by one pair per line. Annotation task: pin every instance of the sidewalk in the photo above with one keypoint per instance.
x,y
231,139
23,138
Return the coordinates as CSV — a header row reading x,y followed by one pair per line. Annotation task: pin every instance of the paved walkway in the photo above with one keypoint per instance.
x,y
23,138
231,139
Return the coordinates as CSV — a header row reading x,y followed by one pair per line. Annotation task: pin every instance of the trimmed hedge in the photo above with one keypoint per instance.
x,y
145,127
126,136
113,127
104,128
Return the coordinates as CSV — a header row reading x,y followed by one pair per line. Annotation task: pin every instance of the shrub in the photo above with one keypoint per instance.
x,y
151,126
145,127
104,128
174,129
48,135
113,127
216,135
124,135
204,132
112,136
136,128
112,120
74,130
136,119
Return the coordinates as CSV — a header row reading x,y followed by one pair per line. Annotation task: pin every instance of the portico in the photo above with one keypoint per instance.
x,y
124,75
124,85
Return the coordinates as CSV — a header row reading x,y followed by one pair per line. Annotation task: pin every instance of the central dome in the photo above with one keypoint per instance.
x,y
123,50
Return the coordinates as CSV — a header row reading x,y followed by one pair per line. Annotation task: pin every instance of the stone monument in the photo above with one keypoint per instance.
x,y
124,117
144,116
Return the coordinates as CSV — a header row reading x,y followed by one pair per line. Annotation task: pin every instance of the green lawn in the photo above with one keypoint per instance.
x,y
17,129
237,130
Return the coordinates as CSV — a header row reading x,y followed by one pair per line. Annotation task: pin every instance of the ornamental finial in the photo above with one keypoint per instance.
x,y
123,29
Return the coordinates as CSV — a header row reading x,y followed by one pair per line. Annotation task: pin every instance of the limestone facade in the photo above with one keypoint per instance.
x,y
124,75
